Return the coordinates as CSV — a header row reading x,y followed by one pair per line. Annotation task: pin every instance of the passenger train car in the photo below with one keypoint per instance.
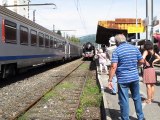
x,y
24,43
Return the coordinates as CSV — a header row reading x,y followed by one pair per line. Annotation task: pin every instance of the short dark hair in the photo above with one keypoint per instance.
x,y
148,45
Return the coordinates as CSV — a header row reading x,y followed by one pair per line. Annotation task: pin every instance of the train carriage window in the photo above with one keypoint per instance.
x,y
10,32
60,44
23,35
46,41
41,41
63,45
51,42
33,38
55,43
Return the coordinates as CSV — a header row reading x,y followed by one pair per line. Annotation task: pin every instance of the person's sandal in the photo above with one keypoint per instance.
x,y
147,101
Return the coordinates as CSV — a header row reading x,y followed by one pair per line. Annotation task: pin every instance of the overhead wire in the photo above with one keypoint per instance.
x,y
78,8
39,16
109,10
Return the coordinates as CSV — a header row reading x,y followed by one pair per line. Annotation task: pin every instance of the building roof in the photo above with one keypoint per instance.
x,y
103,34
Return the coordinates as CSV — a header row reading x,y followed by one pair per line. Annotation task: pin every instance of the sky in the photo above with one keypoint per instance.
x,y
82,16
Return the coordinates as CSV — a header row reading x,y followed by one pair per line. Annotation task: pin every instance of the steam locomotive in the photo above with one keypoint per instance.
x,y
88,50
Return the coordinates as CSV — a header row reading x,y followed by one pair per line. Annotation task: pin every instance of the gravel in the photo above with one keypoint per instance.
x,y
16,96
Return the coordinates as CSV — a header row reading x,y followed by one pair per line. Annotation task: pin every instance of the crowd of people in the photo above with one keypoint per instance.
x,y
124,60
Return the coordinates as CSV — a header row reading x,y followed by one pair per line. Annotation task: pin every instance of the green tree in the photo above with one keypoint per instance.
x,y
74,39
59,33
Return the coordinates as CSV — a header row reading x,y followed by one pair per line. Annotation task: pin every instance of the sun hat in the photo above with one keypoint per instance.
x,y
112,41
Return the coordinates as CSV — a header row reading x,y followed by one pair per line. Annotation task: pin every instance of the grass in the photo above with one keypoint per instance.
x,y
91,97
84,66
49,95
65,85
23,117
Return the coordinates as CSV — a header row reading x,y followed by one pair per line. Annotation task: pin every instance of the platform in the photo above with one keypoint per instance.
x,y
112,109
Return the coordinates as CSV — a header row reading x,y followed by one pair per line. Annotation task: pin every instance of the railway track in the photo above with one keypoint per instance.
x,y
30,100
61,102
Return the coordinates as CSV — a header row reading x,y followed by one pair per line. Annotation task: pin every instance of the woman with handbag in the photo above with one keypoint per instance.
x,y
149,74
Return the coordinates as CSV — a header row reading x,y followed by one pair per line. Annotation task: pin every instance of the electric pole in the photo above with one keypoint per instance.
x,y
149,14
136,24
28,8
34,15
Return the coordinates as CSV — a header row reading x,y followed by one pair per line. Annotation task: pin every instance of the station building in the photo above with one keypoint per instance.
x,y
19,10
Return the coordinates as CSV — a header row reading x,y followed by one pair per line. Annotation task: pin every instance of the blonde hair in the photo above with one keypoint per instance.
x,y
120,38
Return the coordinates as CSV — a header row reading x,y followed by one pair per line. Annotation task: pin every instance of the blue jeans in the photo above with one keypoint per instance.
x,y
114,83
124,99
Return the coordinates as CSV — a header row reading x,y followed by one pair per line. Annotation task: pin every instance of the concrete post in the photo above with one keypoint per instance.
x,y
149,14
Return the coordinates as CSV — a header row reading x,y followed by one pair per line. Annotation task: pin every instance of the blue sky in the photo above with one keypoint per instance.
x,y
83,15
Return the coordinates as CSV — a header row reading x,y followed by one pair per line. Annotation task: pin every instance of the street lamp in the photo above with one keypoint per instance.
x,y
30,5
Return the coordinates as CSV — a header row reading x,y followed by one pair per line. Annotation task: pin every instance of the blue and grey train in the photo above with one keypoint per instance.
x,y
24,43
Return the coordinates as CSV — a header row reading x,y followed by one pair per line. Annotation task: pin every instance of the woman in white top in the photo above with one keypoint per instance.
x,y
102,60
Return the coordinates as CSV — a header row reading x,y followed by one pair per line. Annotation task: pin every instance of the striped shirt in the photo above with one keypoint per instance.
x,y
127,56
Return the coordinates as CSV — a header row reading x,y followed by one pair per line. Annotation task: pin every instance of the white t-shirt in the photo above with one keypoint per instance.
x,y
110,51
